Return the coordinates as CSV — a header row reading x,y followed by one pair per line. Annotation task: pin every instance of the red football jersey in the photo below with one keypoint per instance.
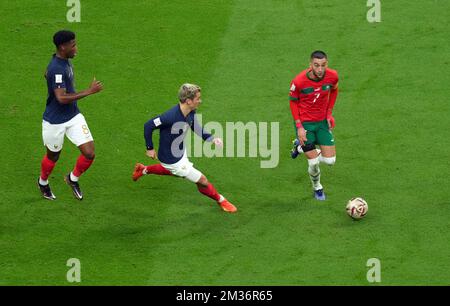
x,y
312,97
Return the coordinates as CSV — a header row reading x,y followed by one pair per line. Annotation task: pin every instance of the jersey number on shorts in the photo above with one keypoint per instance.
x,y
85,129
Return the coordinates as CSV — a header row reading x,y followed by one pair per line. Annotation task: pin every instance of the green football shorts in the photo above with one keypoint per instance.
x,y
318,133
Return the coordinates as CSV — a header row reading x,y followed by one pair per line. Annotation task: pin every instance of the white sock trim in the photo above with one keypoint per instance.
x,y
318,187
221,198
73,178
327,160
42,182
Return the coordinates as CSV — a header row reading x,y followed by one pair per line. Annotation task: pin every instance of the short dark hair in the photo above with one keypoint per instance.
x,y
319,54
62,37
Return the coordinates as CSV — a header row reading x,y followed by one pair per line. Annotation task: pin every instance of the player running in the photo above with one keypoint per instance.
x,y
173,126
62,116
312,96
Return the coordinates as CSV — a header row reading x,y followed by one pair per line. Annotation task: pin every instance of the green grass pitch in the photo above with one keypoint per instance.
x,y
392,138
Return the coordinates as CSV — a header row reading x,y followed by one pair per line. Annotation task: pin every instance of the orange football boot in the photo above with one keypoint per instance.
x,y
227,206
138,171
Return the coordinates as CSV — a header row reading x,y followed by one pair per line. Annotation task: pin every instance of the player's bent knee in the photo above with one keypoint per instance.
x,y
203,181
53,158
197,177
308,147
328,160
89,155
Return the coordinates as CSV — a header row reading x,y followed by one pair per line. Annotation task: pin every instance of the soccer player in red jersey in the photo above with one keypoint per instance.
x,y
312,97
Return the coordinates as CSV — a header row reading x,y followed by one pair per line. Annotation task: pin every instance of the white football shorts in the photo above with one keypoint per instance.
x,y
184,168
76,129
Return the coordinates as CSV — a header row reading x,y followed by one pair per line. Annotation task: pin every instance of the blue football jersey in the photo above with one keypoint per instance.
x,y
59,75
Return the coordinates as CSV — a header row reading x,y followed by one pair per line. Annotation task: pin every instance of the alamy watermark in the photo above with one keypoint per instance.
x,y
251,139
374,13
74,273
374,273
74,13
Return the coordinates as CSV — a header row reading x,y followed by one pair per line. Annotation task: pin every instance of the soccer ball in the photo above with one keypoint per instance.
x,y
357,208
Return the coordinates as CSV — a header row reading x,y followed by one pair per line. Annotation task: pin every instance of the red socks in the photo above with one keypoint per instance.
x,y
210,191
82,165
157,169
46,168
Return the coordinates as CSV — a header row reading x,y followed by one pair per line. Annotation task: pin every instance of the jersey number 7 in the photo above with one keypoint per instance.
x,y
317,96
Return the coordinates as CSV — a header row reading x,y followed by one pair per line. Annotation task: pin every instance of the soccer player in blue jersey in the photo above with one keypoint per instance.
x,y
173,126
62,116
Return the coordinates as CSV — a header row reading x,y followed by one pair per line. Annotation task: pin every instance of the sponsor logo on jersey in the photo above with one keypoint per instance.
x,y
58,78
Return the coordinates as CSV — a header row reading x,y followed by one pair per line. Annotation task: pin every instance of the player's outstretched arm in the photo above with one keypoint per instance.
x,y
200,131
66,98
